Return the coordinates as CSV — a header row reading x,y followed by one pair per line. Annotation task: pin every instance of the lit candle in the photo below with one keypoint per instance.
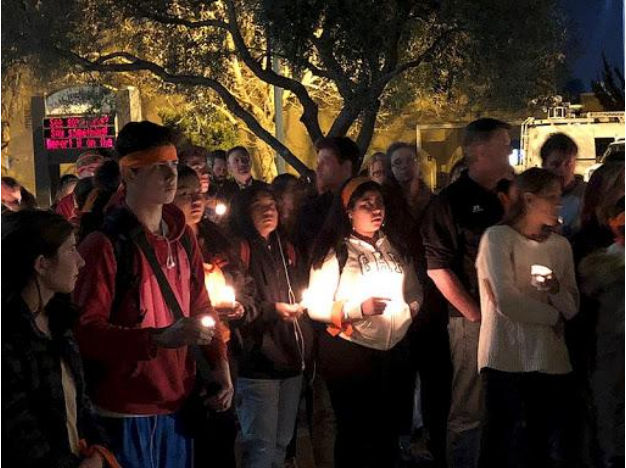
x,y
306,298
227,297
540,270
220,209
207,321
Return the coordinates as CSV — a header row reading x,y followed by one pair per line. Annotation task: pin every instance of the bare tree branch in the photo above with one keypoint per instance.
x,y
309,107
367,128
385,79
136,64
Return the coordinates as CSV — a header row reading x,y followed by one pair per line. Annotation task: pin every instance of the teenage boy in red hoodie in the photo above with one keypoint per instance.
x,y
146,371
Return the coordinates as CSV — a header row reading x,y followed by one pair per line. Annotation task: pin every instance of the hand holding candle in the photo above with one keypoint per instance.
x,y
226,305
543,279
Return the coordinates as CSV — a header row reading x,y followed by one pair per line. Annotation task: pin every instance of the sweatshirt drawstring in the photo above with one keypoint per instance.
x,y
297,330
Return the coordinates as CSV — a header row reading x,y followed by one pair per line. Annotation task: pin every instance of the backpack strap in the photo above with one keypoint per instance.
x,y
342,256
244,253
202,364
291,254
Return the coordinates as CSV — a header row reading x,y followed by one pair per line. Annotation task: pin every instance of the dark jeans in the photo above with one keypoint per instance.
x,y
214,445
527,420
365,387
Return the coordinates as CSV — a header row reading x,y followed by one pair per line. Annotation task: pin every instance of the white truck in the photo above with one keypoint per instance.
x,y
593,132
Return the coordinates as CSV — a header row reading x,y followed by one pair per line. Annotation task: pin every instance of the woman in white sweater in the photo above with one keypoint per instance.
x,y
364,287
527,290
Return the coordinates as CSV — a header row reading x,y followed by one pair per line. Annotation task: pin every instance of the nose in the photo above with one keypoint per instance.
x,y
81,261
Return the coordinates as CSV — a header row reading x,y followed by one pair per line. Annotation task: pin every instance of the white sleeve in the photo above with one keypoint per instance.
x,y
566,301
323,284
495,264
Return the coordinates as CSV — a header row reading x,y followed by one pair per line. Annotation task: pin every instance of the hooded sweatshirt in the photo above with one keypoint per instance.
x,y
369,271
137,377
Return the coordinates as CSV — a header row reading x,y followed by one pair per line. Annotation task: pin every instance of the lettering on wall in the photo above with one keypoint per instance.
x,y
79,132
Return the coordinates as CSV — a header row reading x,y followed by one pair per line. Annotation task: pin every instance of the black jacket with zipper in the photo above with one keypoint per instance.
x,y
271,348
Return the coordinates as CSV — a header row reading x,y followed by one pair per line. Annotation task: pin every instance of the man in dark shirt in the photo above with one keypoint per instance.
x,y
337,160
452,228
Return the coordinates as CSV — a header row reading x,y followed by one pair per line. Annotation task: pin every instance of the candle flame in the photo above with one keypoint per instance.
x,y
207,321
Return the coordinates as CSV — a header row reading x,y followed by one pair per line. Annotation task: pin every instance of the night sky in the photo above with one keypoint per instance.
x,y
599,27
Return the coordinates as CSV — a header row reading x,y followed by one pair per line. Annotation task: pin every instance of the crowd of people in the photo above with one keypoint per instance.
x,y
169,310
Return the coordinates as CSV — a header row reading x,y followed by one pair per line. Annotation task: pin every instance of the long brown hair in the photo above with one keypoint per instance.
x,y
604,188
534,180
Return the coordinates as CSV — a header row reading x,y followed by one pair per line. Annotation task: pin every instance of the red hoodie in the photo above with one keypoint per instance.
x,y
138,377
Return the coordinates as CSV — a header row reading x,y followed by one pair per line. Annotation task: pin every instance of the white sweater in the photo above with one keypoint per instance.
x,y
522,328
369,271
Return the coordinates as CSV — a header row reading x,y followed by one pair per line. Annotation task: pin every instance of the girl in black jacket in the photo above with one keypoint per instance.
x,y
276,338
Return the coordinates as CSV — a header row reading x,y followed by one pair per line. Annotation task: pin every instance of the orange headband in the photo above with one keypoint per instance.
x,y
350,187
138,159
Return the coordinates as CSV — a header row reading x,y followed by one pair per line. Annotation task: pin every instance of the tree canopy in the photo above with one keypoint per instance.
x,y
362,55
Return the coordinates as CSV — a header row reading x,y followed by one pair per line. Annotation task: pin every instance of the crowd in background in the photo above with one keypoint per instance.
x,y
169,307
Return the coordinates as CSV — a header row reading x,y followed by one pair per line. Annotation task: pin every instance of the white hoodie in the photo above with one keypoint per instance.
x,y
369,272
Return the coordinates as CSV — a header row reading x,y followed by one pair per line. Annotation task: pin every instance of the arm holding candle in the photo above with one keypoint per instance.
x,y
495,265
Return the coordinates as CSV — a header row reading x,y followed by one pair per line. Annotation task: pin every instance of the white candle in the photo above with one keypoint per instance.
x,y
540,270
207,321
227,297
306,299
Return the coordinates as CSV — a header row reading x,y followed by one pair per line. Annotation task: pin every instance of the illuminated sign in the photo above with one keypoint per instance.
x,y
79,132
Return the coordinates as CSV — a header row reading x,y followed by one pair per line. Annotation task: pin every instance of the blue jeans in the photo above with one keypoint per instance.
x,y
267,412
149,441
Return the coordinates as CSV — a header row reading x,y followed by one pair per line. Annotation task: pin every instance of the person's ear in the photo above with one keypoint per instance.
x,y
41,265
129,175
529,198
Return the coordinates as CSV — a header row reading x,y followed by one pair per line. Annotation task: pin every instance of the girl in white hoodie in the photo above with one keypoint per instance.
x,y
364,287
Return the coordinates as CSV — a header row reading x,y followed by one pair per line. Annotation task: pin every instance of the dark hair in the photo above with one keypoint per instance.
x,y
599,193
139,136
218,154
236,149
10,182
186,171
67,178
396,145
108,176
481,131
240,219
25,236
107,180
559,143
343,148
337,226
281,182
534,180
191,152
83,190
29,202
503,186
